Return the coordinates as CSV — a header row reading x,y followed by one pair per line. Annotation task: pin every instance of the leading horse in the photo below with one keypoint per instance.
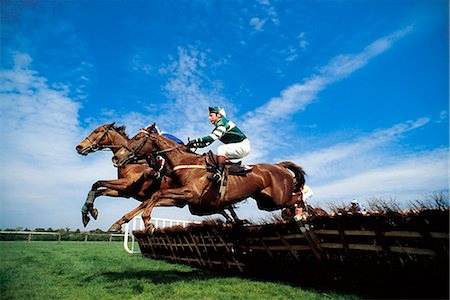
x,y
271,185
138,180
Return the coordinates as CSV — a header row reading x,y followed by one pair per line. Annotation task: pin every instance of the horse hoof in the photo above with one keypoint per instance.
x,y
85,219
94,213
115,228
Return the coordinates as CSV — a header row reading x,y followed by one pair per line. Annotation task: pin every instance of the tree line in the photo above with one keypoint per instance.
x,y
63,234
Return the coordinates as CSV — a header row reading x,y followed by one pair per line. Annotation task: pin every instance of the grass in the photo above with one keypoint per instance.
x,y
102,270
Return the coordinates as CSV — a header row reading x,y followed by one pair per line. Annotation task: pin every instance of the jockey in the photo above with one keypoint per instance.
x,y
236,143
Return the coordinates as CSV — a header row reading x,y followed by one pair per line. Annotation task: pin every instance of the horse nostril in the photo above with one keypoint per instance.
x,y
115,160
78,148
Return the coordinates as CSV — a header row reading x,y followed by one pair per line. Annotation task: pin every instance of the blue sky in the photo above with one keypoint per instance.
x,y
356,92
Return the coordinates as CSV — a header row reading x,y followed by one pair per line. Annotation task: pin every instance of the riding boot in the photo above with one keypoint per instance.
x,y
217,177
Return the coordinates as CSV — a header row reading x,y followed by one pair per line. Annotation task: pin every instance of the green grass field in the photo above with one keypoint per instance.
x,y
102,270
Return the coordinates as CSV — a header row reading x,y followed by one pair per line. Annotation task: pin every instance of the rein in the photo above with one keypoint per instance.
x,y
158,153
153,153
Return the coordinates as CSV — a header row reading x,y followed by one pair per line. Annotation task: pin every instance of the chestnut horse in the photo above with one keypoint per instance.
x,y
137,180
271,185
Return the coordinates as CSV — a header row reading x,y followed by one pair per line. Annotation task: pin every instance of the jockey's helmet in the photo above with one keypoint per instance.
x,y
217,110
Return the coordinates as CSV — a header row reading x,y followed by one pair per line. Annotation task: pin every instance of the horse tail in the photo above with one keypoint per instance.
x,y
299,174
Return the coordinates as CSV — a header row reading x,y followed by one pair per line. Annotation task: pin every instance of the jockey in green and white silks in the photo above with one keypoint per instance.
x,y
236,143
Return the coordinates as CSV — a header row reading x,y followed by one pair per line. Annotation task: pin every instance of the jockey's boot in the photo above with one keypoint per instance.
x,y
217,177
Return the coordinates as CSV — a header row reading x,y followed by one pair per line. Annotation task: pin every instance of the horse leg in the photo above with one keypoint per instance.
x,y
146,215
229,220
164,198
117,226
235,216
114,188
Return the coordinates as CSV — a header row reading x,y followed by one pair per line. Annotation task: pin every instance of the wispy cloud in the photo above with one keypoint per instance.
x,y
298,96
267,13
44,181
373,165
394,176
34,33
257,23
190,92
364,152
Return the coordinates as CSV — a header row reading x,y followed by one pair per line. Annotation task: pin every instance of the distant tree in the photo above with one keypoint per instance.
x,y
39,229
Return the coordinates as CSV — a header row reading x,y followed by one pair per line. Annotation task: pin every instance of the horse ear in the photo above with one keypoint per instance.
x,y
151,127
112,124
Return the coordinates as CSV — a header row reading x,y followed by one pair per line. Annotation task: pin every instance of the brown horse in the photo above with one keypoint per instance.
x,y
137,180
271,185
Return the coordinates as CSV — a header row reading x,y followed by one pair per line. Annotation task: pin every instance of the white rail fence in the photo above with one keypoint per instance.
x,y
138,224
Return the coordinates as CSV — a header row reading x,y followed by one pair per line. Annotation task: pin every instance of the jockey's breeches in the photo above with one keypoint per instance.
x,y
234,150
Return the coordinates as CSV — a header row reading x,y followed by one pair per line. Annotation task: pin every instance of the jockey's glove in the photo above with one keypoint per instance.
x,y
192,144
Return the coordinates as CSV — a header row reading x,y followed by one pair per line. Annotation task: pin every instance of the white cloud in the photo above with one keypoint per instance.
x,y
375,164
44,182
394,176
298,96
257,23
267,13
363,151
190,93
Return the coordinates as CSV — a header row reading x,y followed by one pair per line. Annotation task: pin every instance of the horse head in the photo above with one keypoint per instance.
x,y
101,138
136,148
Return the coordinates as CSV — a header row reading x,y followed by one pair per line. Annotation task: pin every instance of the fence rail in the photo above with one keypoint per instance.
x,y
134,224
138,224
59,234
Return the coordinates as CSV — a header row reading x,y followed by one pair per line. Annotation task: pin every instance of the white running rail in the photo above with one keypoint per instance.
x,y
138,224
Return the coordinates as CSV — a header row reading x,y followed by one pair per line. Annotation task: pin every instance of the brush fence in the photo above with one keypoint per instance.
x,y
393,246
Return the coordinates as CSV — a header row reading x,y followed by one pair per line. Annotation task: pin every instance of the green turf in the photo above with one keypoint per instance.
x,y
102,270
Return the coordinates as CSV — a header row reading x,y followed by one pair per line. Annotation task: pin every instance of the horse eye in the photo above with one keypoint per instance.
x,y
137,138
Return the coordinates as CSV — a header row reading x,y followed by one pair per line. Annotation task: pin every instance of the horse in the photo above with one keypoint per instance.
x,y
273,186
137,180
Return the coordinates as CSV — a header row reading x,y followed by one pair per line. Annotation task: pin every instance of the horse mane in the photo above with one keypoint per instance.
x,y
121,129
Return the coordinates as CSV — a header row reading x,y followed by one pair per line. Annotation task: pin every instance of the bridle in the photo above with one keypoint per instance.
x,y
135,155
93,147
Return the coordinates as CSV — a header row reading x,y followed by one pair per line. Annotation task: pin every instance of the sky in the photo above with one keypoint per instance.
x,y
355,92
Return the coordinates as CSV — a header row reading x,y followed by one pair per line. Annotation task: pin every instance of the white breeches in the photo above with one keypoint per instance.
x,y
234,150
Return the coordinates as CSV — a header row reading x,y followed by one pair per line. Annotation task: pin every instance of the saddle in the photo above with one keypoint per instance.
x,y
230,168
